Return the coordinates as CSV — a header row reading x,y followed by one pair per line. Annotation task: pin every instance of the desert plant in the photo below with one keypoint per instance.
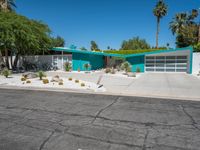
x,y
126,66
28,81
82,84
76,81
107,70
86,66
45,81
60,83
23,79
5,72
70,79
138,70
112,71
41,74
68,66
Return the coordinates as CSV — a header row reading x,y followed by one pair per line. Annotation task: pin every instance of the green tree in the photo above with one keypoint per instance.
x,y
135,44
58,42
22,36
185,28
83,49
7,5
159,11
94,46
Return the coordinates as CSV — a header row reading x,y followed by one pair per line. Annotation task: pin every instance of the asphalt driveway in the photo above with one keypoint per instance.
x,y
33,120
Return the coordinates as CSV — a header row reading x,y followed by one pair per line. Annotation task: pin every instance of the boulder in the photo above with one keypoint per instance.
x,y
131,74
30,75
56,79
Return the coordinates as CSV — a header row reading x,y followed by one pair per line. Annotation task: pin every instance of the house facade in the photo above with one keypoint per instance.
x,y
171,60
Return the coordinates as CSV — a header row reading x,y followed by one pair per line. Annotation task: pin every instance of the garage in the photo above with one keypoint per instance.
x,y
166,63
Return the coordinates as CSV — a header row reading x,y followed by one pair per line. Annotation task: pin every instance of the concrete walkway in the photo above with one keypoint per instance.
x,y
169,85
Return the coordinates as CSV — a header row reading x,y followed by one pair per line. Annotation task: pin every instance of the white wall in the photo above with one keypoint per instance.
x,y
196,63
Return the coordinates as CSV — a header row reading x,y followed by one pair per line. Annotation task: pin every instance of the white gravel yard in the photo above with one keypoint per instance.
x,y
15,80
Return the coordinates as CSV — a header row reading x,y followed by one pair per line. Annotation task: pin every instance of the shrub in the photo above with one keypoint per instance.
x,y
76,81
138,70
60,83
70,79
112,71
86,66
5,72
68,66
126,66
23,79
45,81
28,81
82,84
107,70
41,74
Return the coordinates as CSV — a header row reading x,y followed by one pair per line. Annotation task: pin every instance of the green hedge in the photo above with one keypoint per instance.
x,y
126,52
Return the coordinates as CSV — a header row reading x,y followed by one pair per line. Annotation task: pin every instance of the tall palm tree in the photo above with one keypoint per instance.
x,y
7,5
159,11
179,22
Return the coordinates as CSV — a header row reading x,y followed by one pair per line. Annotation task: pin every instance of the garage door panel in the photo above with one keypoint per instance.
x,y
166,63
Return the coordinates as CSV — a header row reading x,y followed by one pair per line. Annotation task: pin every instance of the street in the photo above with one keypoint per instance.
x,y
36,120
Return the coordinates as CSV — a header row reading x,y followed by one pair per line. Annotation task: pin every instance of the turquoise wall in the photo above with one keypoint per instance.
x,y
136,62
79,59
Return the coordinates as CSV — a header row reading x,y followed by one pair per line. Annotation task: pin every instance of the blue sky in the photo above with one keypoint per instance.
x,y
108,22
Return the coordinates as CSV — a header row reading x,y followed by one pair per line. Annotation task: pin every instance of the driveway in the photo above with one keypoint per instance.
x,y
173,85
166,85
33,120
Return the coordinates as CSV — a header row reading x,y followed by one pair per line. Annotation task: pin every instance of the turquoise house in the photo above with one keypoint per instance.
x,y
171,60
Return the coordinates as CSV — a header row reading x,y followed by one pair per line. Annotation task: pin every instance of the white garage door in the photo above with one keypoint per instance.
x,y
166,63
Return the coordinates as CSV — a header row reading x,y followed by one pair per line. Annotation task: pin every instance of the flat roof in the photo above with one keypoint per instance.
x,y
65,49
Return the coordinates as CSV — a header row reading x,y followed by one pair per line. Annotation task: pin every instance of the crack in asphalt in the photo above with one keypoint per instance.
x,y
194,123
102,140
46,140
145,140
148,124
103,109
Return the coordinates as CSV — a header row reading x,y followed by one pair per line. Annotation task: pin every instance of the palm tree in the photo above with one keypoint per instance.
x,y
159,11
7,5
179,22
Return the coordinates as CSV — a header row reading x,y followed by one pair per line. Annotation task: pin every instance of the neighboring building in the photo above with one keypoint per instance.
x,y
171,60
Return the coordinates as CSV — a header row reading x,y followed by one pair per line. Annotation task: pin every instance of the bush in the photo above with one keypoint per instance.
x,y
5,72
126,66
23,79
45,81
76,81
70,79
112,71
28,81
138,70
68,66
60,83
107,70
86,66
41,74
82,84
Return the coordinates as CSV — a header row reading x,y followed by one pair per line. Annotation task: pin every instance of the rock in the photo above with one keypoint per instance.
x,y
30,75
56,79
131,74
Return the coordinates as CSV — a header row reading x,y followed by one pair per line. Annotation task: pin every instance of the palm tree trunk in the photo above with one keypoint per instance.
x,y
2,63
158,30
